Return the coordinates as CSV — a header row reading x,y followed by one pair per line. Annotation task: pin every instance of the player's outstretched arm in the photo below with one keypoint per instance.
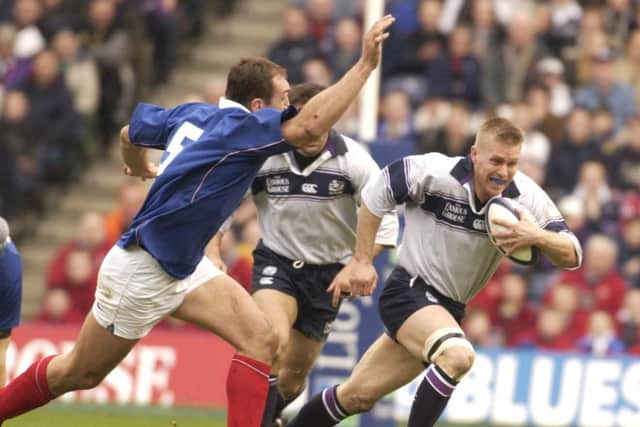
x,y
135,158
323,110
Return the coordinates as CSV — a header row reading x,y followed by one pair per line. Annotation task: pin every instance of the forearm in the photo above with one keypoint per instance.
x,y
323,110
559,248
368,224
133,156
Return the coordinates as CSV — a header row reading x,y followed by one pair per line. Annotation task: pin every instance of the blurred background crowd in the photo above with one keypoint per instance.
x,y
566,71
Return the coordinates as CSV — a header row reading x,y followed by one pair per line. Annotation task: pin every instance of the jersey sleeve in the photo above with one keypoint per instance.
x,y
399,182
547,214
362,169
259,133
10,293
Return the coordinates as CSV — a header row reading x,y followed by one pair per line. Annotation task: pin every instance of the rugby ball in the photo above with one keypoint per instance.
x,y
507,210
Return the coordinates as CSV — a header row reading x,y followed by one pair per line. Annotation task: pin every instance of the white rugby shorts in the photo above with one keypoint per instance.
x,y
134,292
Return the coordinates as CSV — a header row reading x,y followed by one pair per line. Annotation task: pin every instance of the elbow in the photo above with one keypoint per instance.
x,y
124,135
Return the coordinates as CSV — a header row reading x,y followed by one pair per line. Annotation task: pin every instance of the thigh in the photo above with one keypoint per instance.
x,y
221,305
385,367
281,309
420,325
96,353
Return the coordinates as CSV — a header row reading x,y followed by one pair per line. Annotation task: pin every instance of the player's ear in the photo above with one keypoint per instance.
x,y
474,153
256,104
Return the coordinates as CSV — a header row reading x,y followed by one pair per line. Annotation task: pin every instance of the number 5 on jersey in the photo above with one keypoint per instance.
x,y
186,133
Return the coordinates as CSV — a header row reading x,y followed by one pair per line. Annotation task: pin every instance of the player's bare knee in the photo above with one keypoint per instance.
x,y
262,343
291,382
456,361
88,378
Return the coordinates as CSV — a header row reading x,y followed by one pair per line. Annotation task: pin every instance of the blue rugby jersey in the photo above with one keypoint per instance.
x,y
212,154
10,287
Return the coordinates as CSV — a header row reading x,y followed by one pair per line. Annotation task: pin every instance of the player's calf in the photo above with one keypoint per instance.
x,y
451,356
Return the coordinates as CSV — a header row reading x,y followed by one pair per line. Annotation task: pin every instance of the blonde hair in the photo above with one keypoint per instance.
x,y
501,130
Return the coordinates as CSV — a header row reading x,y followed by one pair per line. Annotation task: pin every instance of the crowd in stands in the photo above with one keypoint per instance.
x,y
70,73
566,71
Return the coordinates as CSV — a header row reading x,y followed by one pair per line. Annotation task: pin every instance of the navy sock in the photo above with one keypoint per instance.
x,y
272,400
431,398
323,410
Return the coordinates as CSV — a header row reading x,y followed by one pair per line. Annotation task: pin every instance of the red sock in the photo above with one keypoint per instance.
x,y
247,388
28,391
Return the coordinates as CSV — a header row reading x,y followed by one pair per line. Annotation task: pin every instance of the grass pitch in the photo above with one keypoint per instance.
x,y
60,415
64,415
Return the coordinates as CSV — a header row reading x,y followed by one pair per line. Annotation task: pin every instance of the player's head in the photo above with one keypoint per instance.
x,y
299,95
258,83
495,156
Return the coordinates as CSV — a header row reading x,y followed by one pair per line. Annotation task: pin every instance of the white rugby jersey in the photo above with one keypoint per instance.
x,y
445,238
311,214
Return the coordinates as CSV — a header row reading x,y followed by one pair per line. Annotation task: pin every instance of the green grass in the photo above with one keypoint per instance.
x,y
61,415
109,416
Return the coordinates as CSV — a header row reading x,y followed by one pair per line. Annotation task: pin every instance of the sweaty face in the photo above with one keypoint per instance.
x,y
494,165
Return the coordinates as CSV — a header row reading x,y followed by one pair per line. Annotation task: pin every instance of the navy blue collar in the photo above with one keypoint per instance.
x,y
336,144
463,172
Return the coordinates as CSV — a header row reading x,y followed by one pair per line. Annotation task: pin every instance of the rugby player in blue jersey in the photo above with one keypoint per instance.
x,y
158,267
10,292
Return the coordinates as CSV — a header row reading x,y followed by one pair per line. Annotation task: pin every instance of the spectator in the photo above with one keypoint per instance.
x,y
346,51
564,299
551,71
90,245
109,45
454,138
477,328
455,74
629,319
81,78
53,119
601,339
21,184
316,70
510,68
572,209
396,118
514,317
552,331
295,45
320,14
409,56
486,32
627,67
601,207
629,259
28,43
599,284
605,91
162,26
566,157
70,300
623,160
7,39
130,199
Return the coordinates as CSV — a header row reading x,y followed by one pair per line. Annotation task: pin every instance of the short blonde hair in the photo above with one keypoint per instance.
x,y
501,130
